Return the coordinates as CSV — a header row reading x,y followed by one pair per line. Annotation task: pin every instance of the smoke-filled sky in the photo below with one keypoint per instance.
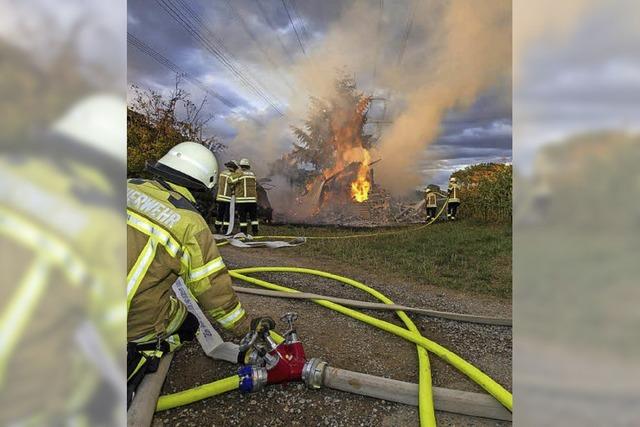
x,y
444,69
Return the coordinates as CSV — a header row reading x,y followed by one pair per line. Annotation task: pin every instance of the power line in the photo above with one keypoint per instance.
x,y
164,61
257,42
299,19
216,46
286,8
213,45
406,34
265,16
219,45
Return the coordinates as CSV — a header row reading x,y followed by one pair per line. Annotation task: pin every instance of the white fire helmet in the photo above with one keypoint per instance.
x,y
98,121
453,179
194,160
427,190
245,162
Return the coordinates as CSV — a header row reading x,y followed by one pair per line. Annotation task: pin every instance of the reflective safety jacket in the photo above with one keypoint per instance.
x,y
58,285
245,188
166,239
430,200
226,182
453,193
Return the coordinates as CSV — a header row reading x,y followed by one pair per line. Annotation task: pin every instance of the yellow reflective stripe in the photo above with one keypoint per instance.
x,y
227,321
140,268
14,319
206,270
248,199
149,228
46,245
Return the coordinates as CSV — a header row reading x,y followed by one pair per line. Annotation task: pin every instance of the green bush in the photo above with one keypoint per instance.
x,y
485,192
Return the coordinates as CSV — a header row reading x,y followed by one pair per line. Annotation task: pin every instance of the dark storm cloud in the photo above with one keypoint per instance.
x,y
590,81
261,41
480,134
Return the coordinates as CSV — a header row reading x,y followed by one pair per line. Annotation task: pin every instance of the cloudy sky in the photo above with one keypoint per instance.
x,y
244,54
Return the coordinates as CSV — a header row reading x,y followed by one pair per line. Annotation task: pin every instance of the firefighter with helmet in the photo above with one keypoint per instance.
x,y
168,239
226,182
247,198
430,203
61,311
454,198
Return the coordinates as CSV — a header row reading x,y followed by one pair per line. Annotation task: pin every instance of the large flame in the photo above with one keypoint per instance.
x,y
361,186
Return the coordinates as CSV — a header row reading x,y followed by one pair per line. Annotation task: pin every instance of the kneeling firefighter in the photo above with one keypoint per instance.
x,y
168,239
247,198
454,199
226,183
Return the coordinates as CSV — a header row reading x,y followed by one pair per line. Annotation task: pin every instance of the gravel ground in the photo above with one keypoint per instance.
x,y
345,343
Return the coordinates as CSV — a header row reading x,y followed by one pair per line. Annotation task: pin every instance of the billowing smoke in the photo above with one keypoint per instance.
x,y
427,57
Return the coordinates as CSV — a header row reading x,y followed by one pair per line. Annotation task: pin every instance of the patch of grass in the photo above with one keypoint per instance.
x,y
469,256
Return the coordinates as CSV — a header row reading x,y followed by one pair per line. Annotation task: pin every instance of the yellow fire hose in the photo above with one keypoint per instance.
x,y
198,393
426,404
412,334
425,396
352,236
475,374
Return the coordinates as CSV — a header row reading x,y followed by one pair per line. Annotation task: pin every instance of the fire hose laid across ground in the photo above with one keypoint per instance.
x,y
240,240
425,397
318,373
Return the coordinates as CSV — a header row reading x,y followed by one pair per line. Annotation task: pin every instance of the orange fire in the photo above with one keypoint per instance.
x,y
361,186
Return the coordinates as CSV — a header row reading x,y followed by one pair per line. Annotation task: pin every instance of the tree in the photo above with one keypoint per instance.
x,y
334,126
155,123
485,191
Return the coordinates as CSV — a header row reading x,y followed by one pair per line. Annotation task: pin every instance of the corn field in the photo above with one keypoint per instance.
x,y
485,192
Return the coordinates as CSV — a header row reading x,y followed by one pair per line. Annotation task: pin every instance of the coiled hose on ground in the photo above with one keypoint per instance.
x,y
427,417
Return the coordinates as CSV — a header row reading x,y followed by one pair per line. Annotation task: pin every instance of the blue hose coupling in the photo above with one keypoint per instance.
x,y
252,378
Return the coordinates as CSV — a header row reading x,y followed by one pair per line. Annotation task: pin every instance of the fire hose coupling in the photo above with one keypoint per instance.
x,y
313,373
252,378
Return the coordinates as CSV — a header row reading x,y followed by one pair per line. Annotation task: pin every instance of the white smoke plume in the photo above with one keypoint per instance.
x,y
430,57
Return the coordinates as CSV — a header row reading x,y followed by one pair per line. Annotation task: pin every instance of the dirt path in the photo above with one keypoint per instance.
x,y
348,344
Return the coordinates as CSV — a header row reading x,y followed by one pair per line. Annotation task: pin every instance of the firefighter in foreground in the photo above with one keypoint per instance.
x,y
430,203
247,198
454,199
226,183
61,314
168,239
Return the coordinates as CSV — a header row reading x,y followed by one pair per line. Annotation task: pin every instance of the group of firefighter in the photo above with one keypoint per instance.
x,y
453,200
238,182
167,240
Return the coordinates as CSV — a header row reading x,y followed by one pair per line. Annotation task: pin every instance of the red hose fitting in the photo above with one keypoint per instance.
x,y
291,360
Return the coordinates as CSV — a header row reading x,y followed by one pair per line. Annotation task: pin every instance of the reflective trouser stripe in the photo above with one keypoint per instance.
x,y
206,270
14,320
227,321
246,200
220,198
244,224
216,222
254,222
140,268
